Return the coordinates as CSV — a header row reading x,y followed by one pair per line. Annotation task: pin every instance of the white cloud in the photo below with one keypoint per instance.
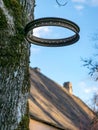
x,y
79,7
92,89
79,4
88,89
35,50
79,1
94,2
41,31
86,2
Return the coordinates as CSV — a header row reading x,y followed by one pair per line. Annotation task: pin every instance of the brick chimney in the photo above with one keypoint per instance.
x,y
37,69
68,86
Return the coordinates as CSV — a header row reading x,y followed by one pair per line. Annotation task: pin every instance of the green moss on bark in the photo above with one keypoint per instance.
x,y
3,21
24,124
14,53
24,87
16,9
11,53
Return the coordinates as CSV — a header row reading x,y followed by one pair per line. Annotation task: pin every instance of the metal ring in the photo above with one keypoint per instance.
x,y
52,21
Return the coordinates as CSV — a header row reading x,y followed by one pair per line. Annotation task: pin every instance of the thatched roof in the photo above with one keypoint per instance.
x,y
52,104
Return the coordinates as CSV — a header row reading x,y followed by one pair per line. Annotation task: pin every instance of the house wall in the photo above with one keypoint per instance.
x,y
36,125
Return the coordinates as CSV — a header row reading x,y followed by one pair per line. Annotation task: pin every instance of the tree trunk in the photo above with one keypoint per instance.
x,y
14,64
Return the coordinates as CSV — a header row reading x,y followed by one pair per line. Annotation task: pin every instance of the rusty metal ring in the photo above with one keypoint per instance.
x,y
52,21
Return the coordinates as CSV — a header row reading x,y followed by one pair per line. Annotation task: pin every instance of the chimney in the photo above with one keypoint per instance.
x,y
37,69
68,87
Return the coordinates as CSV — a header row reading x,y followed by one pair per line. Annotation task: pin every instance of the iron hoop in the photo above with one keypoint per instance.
x,y
52,21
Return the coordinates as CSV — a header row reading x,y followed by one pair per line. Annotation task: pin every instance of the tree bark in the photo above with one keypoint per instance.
x,y
14,64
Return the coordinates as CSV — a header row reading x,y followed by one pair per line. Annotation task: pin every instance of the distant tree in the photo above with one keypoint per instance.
x,y
92,63
94,123
95,102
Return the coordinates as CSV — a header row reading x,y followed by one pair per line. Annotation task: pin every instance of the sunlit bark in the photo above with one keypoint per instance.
x,y
14,63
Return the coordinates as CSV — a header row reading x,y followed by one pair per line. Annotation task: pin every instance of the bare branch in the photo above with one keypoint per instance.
x,y
60,3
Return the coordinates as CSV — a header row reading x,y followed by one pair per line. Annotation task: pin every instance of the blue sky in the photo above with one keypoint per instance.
x,y
64,63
